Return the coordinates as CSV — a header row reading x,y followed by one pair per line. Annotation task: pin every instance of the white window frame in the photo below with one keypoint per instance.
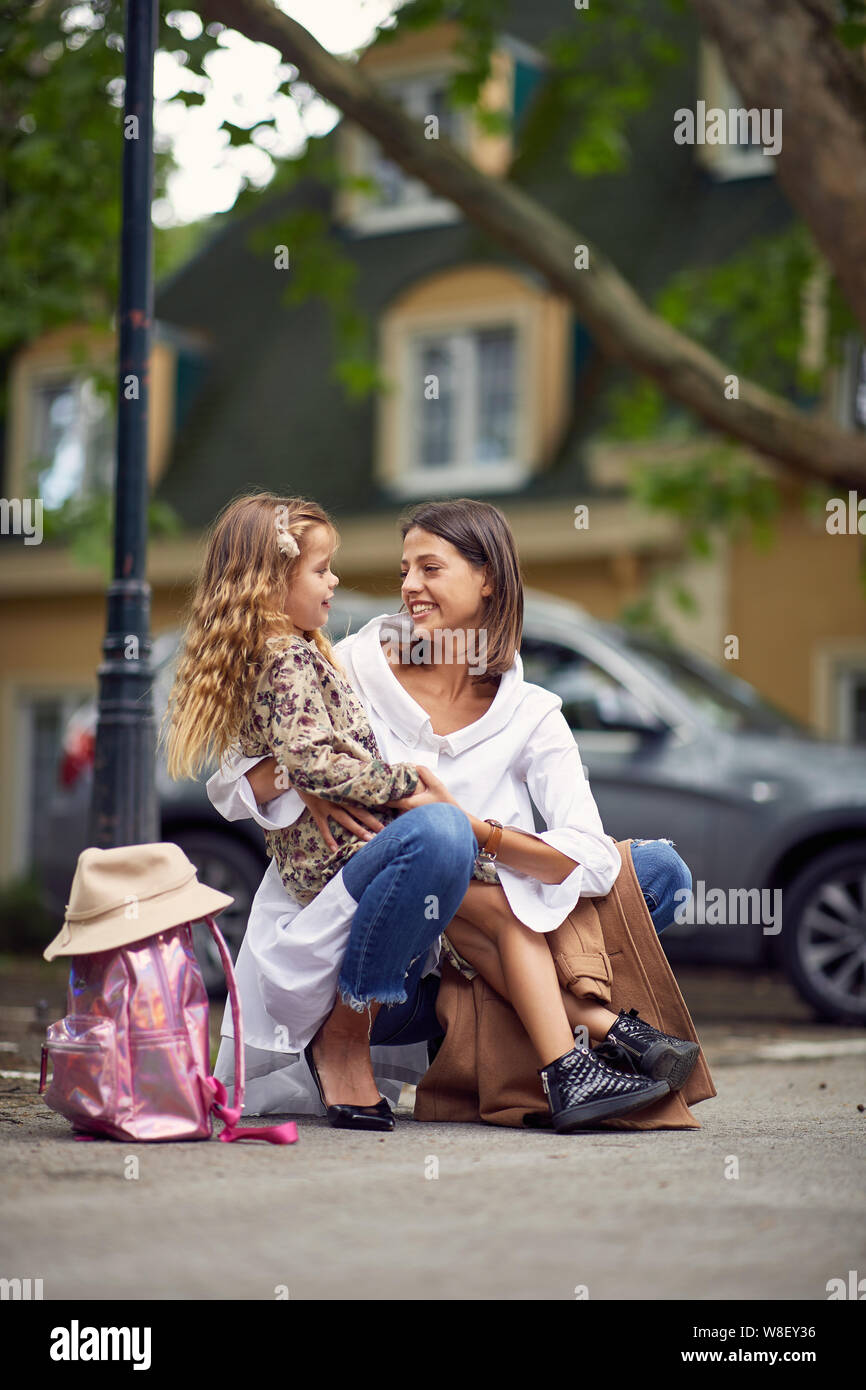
x,y
23,696
458,476
846,673
48,376
426,209
835,663
726,162
78,351
844,383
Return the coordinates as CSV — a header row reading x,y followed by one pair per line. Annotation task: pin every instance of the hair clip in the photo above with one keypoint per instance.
x,y
285,540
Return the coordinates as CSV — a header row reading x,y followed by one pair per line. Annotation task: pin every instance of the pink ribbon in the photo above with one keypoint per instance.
x,y
271,1134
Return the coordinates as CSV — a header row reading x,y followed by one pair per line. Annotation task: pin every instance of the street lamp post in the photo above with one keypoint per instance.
x,y
124,808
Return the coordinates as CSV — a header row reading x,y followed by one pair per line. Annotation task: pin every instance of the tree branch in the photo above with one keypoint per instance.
x,y
784,55
622,324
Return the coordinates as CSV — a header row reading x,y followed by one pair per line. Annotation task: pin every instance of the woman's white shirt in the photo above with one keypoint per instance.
x,y
521,747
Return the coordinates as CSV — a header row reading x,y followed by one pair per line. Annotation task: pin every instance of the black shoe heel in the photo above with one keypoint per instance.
x,y
380,1116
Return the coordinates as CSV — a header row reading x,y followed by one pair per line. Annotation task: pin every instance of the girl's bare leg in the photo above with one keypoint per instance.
x,y
341,1051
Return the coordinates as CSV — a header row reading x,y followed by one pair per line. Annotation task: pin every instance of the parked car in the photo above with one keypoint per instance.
x,y
766,814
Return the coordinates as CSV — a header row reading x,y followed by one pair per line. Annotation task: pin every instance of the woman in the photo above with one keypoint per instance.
x,y
492,740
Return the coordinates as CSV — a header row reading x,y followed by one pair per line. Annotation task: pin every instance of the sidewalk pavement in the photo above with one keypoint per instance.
x,y
765,1201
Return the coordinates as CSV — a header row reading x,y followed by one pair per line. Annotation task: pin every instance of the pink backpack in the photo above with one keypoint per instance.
x,y
131,1059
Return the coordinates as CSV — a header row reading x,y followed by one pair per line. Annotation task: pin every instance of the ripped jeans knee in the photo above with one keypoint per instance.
x,y
408,881
662,875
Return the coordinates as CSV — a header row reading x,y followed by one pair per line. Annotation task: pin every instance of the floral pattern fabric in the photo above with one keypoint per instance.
x,y
309,718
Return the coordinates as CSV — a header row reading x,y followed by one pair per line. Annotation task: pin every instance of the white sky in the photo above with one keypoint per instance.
x,y
242,78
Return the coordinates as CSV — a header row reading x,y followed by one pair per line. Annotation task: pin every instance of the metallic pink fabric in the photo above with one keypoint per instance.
x,y
132,1054
131,1060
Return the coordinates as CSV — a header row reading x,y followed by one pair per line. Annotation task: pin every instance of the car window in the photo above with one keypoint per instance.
x,y
728,702
592,699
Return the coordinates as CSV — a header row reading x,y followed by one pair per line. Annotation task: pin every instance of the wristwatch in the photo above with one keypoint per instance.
x,y
491,845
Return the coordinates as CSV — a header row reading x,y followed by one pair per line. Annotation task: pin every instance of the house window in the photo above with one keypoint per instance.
x,y
71,446
421,97
742,157
399,201
465,407
479,364
851,702
42,724
848,384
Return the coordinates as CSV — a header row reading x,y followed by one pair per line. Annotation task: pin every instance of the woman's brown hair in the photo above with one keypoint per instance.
x,y
236,619
481,534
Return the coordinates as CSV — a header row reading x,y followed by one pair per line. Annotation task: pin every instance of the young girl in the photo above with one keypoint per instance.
x,y
256,670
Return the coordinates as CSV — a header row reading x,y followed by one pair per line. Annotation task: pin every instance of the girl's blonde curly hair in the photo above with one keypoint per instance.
x,y
236,619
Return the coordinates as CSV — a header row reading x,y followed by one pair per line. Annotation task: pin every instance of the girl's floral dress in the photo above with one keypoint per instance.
x,y
309,718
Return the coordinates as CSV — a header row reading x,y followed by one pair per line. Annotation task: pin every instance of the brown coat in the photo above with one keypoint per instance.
x,y
487,1070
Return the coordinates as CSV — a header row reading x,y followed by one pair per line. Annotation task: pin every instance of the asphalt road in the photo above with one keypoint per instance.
x,y
511,1215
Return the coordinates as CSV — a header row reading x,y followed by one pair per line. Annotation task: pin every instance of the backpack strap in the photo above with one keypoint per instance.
x,y
272,1134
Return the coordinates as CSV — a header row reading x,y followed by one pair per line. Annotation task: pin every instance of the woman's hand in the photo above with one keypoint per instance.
x,y
357,820
267,782
431,790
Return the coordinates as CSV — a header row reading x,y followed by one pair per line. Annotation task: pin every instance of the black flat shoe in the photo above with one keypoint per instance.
x,y
379,1116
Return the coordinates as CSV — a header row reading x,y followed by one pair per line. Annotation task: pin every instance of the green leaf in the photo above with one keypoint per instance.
x,y
851,35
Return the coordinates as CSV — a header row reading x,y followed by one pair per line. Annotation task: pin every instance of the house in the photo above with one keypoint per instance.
x,y
495,392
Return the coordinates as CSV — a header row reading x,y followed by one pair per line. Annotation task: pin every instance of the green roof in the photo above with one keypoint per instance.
x,y
269,413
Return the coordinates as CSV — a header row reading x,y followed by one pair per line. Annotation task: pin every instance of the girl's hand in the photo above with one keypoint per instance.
x,y
430,790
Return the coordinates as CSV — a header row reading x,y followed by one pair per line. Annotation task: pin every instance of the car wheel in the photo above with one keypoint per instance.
x,y
823,943
228,865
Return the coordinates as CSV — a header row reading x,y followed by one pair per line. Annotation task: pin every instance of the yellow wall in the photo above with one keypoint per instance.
x,y
803,592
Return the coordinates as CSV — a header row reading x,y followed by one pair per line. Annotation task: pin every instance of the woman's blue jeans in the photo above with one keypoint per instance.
x,y
408,882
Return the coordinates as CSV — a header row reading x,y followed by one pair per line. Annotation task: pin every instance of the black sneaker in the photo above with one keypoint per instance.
x,y
582,1089
636,1046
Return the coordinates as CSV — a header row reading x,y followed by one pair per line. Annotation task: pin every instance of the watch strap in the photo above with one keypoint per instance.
x,y
490,848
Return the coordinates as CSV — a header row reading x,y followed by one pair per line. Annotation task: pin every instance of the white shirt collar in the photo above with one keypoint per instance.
x,y
384,693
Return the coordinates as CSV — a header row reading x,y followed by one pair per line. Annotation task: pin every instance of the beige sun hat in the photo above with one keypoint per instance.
x,y
127,894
